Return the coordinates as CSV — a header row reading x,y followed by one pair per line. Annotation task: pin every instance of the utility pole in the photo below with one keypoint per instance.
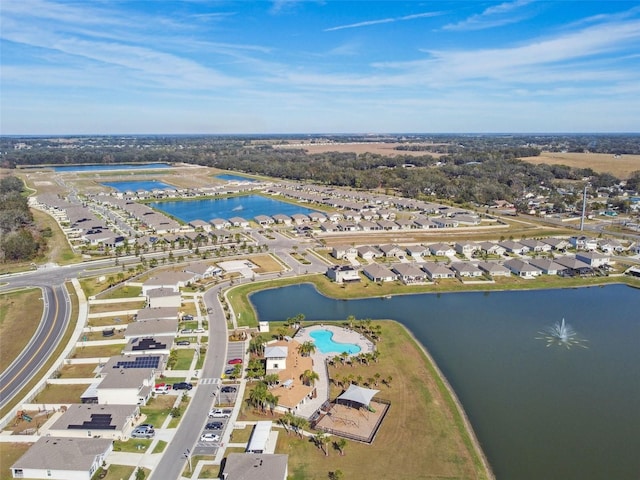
x,y
584,207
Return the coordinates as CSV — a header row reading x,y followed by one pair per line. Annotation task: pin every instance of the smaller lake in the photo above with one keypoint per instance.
x,y
121,166
234,178
245,206
137,185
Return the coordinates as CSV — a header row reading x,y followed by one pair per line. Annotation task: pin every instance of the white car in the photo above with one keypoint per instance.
x,y
209,437
199,330
219,413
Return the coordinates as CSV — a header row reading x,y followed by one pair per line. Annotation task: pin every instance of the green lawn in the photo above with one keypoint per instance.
x,y
185,357
157,409
133,445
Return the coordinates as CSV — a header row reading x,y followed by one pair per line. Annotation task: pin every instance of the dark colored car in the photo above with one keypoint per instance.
x,y
214,426
228,389
182,386
183,342
229,371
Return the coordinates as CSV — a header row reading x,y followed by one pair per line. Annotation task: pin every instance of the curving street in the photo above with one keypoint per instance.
x,y
55,318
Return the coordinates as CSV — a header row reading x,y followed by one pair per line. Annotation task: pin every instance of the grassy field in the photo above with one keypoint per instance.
x,y
83,370
185,357
58,249
98,351
157,409
54,357
9,454
116,307
116,472
20,314
133,445
422,436
599,162
61,393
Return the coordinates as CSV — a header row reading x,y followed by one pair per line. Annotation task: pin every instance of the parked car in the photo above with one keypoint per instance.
x,y
182,386
187,317
229,370
186,330
199,330
183,342
228,389
143,432
235,361
209,437
219,413
162,388
214,426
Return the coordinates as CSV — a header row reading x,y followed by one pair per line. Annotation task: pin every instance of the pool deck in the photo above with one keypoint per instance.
x,y
340,335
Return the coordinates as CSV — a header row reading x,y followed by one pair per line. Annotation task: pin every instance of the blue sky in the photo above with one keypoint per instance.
x,y
113,66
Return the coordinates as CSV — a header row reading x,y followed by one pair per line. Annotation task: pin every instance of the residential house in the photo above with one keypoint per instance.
x,y
276,357
409,273
424,223
82,420
593,259
574,266
239,222
162,327
59,458
284,359
465,269
300,218
344,252
200,225
163,297
220,223
202,270
582,242
343,274
129,380
158,313
264,220
437,271
379,273
390,251
282,218
417,251
368,252
149,344
557,244
522,269
610,246
442,250
514,247
466,248
536,245
491,248
548,267
494,269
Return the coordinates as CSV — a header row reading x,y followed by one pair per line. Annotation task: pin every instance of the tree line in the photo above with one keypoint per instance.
x,y
18,238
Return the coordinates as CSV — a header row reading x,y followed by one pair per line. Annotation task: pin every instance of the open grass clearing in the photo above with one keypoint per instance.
x,y
184,359
121,291
266,264
58,248
61,393
116,307
55,357
98,351
79,370
91,336
20,314
133,445
157,409
9,454
599,162
109,321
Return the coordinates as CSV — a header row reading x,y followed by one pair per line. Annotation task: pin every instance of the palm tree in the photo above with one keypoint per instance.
x,y
340,444
307,348
376,378
286,421
321,440
271,379
309,377
258,396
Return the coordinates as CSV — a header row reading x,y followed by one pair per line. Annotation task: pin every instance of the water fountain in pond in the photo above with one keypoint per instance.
x,y
563,335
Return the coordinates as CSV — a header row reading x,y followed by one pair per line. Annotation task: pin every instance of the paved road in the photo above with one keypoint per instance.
x,y
55,318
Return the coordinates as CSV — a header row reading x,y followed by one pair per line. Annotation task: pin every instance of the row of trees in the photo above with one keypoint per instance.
x,y
19,240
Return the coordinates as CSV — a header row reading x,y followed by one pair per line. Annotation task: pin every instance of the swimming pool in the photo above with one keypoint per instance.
x,y
324,341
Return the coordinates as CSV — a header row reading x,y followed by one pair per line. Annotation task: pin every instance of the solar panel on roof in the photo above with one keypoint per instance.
x,y
149,344
139,362
99,421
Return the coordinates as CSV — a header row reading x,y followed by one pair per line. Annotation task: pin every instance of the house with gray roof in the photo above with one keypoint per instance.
x,y
163,297
494,269
60,458
158,313
254,466
575,266
514,247
466,248
593,259
149,344
368,252
582,242
548,266
392,251
522,269
417,251
491,248
219,223
343,273
160,327
276,357
441,249
379,273
465,269
409,273
344,252
535,245
424,223
239,222
559,244
91,420
437,270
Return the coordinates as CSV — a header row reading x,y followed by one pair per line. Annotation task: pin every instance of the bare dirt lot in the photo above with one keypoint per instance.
x,y
600,162
380,148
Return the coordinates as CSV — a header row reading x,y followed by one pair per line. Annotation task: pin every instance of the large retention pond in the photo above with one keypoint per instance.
x,y
539,410
245,206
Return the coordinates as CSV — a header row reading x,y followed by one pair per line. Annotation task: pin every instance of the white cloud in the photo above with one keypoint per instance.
x,y
368,23
495,16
